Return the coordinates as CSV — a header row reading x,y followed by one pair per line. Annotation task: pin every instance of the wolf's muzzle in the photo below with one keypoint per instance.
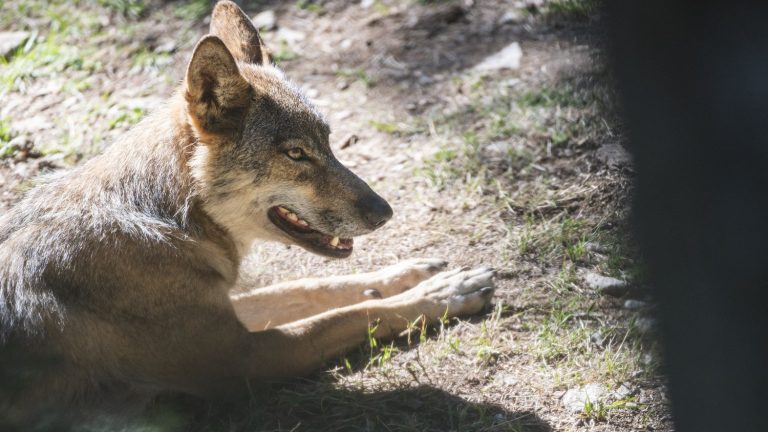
x,y
374,210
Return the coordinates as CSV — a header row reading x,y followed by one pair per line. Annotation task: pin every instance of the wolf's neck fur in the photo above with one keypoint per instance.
x,y
145,171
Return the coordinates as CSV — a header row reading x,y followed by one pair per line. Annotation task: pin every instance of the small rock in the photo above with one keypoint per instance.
x,y
509,83
506,380
509,17
647,359
33,124
606,285
507,58
645,324
10,41
425,80
166,46
365,4
23,169
597,338
343,115
143,103
312,93
266,20
623,392
290,36
499,147
633,304
596,247
613,155
575,399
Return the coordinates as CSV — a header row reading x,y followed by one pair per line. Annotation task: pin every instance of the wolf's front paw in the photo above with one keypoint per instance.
x,y
452,293
409,273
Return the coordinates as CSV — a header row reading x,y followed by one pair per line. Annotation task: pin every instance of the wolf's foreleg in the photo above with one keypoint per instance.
x,y
263,308
300,347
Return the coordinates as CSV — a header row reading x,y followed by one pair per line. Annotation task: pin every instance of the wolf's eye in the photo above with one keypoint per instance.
x,y
296,154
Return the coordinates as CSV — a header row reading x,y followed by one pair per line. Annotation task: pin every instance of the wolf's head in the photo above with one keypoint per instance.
x,y
264,164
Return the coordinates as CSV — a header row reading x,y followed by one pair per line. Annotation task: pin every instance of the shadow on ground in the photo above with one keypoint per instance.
x,y
404,53
330,408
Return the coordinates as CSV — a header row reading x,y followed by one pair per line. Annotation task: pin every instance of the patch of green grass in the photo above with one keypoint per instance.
x,y
564,342
359,74
193,9
311,6
146,59
128,8
573,239
439,169
129,117
579,10
60,49
284,52
558,340
444,155
597,410
391,128
381,8
457,160
5,138
502,126
563,95
385,127
565,279
48,58
486,351
628,403
5,130
623,258
560,240
379,354
57,14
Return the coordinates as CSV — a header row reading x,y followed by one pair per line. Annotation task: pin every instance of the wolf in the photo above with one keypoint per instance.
x,y
117,277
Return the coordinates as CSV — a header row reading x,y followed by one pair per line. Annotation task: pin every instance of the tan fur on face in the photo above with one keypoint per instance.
x,y
236,206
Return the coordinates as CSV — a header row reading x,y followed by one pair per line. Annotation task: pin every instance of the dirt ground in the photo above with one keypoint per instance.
x,y
518,167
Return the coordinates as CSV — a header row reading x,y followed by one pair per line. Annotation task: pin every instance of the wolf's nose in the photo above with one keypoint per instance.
x,y
376,211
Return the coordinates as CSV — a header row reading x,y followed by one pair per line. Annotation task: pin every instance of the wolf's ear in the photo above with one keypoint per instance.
x,y
233,26
217,95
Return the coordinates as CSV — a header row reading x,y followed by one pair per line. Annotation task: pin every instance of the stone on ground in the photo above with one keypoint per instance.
x,y
605,284
575,399
10,41
507,58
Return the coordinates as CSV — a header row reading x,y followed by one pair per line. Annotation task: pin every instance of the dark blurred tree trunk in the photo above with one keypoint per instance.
x,y
694,81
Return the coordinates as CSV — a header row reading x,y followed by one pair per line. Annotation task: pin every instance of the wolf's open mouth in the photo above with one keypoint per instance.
x,y
307,237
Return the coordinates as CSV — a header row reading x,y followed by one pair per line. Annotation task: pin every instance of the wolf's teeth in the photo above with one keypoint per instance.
x,y
302,222
335,242
293,217
282,211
